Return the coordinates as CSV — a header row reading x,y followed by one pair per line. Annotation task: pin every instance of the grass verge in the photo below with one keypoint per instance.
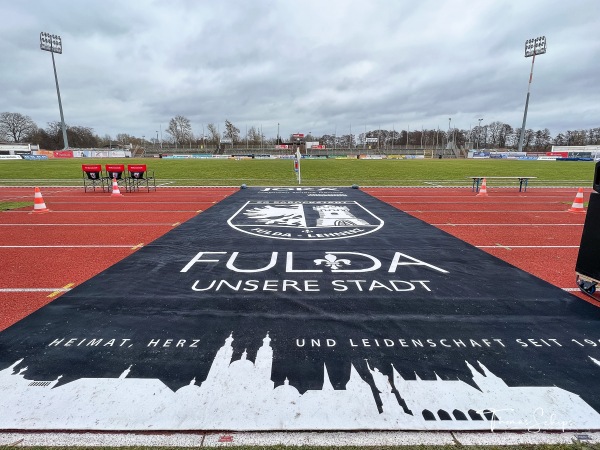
x,y
5,206
331,172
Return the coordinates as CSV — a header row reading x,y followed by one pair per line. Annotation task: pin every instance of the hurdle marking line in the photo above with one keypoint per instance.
x,y
59,291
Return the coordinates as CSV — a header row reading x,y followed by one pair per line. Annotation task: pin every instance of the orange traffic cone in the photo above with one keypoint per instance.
x,y
115,189
577,206
483,190
38,202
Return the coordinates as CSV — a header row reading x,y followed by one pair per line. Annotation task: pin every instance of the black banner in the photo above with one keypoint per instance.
x,y
305,308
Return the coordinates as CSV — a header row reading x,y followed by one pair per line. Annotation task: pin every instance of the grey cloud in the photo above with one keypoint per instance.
x,y
128,67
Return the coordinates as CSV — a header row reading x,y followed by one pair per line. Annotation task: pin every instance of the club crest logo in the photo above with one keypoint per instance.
x,y
305,220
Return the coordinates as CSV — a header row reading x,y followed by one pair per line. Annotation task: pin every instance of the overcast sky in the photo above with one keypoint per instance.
x,y
320,66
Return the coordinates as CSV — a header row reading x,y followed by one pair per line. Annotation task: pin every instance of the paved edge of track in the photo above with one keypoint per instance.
x,y
294,439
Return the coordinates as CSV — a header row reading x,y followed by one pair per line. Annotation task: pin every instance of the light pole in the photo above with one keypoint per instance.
x,y
533,47
335,139
479,133
350,139
449,135
53,44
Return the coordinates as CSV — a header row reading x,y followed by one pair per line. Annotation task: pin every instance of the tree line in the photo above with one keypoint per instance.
x,y
19,128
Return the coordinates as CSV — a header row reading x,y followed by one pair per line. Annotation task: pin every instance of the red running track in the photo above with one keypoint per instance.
x,y
43,255
531,230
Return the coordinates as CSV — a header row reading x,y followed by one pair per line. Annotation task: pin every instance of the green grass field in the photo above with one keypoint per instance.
x,y
201,172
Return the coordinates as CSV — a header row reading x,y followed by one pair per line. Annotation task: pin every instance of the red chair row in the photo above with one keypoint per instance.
x,y
137,176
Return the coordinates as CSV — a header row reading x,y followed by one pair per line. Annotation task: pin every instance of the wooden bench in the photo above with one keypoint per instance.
x,y
522,181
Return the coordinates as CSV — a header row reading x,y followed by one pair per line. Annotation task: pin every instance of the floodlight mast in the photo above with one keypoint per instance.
x,y
53,44
533,47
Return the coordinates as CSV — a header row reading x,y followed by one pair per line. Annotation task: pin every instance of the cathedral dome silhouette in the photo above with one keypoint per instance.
x,y
189,388
286,392
242,366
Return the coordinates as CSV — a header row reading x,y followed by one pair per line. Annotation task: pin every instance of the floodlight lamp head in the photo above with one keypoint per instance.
x,y
50,42
535,46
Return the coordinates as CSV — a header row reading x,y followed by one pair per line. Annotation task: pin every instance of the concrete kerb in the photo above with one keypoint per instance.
x,y
292,439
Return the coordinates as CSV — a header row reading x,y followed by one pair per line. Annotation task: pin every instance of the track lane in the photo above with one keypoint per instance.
x,y
502,217
56,266
101,217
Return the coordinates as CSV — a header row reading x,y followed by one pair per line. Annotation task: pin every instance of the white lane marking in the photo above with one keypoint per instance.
x,y
507,224
34,289
527,246
85,224
118,211
447,211
68,246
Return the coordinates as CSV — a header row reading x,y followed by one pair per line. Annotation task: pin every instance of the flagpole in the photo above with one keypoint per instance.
x,y
298,158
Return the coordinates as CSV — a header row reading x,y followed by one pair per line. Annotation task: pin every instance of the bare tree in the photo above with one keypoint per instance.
x,y
527,138
213,131
231,132
105,140
494,133
542,140
253,135
180,129
560,139
52,138
328,140
81,137
15,127
576,137
505,135
124,138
